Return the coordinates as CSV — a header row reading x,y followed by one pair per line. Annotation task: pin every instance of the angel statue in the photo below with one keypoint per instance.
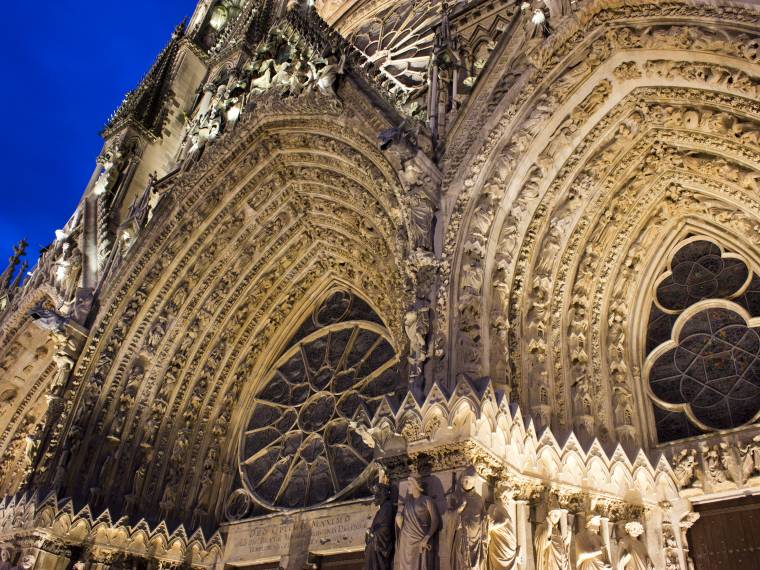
x,y
324,78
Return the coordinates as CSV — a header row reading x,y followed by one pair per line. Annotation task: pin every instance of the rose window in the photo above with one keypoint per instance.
x,y
704,365
714,370
399,41
700,272
299,448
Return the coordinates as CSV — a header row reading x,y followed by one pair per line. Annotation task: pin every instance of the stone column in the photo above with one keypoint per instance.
x,y
652,519
686,523
606,535
524,533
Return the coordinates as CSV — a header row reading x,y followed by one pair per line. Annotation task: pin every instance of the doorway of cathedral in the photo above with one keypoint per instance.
x,y
726,535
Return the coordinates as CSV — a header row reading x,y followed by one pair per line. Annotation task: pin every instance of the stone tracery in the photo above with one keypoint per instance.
x,y
298,448
598,172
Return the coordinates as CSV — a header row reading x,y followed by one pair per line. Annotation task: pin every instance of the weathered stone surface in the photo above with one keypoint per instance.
x,y
409,239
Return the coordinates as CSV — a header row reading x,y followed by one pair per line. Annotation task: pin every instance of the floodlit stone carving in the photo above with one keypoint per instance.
x,y
5,559
508,248
502,550
378,553
590,551
417,521
466,541
553,542
633,553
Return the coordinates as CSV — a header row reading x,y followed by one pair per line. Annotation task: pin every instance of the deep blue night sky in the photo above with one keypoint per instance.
x,y
67,65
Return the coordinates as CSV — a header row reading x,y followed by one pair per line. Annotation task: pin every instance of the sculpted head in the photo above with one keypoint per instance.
x,y
593,523
506,494
634,529
415,486
555,515
468,481
382,493
27,562
5,555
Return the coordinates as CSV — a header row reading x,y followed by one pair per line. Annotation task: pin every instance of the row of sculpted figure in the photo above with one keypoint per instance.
x,y
473,536
25,561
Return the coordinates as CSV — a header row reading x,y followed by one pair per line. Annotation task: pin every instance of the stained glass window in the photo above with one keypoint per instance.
x,y
299,448
705,373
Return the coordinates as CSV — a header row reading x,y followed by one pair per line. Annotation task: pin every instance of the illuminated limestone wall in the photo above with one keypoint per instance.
x,y
505,248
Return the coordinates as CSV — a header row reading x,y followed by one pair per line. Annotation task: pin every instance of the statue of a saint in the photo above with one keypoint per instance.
x,y
5,559
449,524
503,551
378,554
633,552
466,548
552,544
590,552
417,521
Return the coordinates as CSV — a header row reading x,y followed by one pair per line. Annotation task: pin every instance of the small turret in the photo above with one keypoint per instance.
x,y
7,276
9,284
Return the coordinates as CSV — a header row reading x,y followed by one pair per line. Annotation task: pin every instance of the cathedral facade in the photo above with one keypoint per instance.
x,y
412,284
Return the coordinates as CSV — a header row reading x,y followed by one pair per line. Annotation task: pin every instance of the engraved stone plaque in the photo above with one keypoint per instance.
x,y
291,537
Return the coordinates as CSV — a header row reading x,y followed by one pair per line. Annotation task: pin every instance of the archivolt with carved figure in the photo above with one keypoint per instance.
x,y
493,262
599,167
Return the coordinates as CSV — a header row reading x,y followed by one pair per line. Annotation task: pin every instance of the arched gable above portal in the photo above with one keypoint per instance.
x,y
617,109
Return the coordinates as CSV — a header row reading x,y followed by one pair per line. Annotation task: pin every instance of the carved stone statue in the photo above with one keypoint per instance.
x,y
750,458
378,554
466,549
449,524
27,562
590,553
417,522
139,479
416,327
552,543
684,465
633,552
503,553
325,77
31,446
5,559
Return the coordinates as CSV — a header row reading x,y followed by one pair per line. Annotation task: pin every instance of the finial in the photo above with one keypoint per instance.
x,y
19,250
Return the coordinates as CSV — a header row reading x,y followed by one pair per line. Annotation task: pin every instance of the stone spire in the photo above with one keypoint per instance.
x,y
6,278
145,105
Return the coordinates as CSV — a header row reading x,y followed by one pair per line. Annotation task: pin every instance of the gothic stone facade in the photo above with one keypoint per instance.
x,y
494,262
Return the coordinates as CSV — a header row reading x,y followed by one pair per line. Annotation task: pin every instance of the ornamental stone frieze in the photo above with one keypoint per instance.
x,y
52,533
472,448
457,285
